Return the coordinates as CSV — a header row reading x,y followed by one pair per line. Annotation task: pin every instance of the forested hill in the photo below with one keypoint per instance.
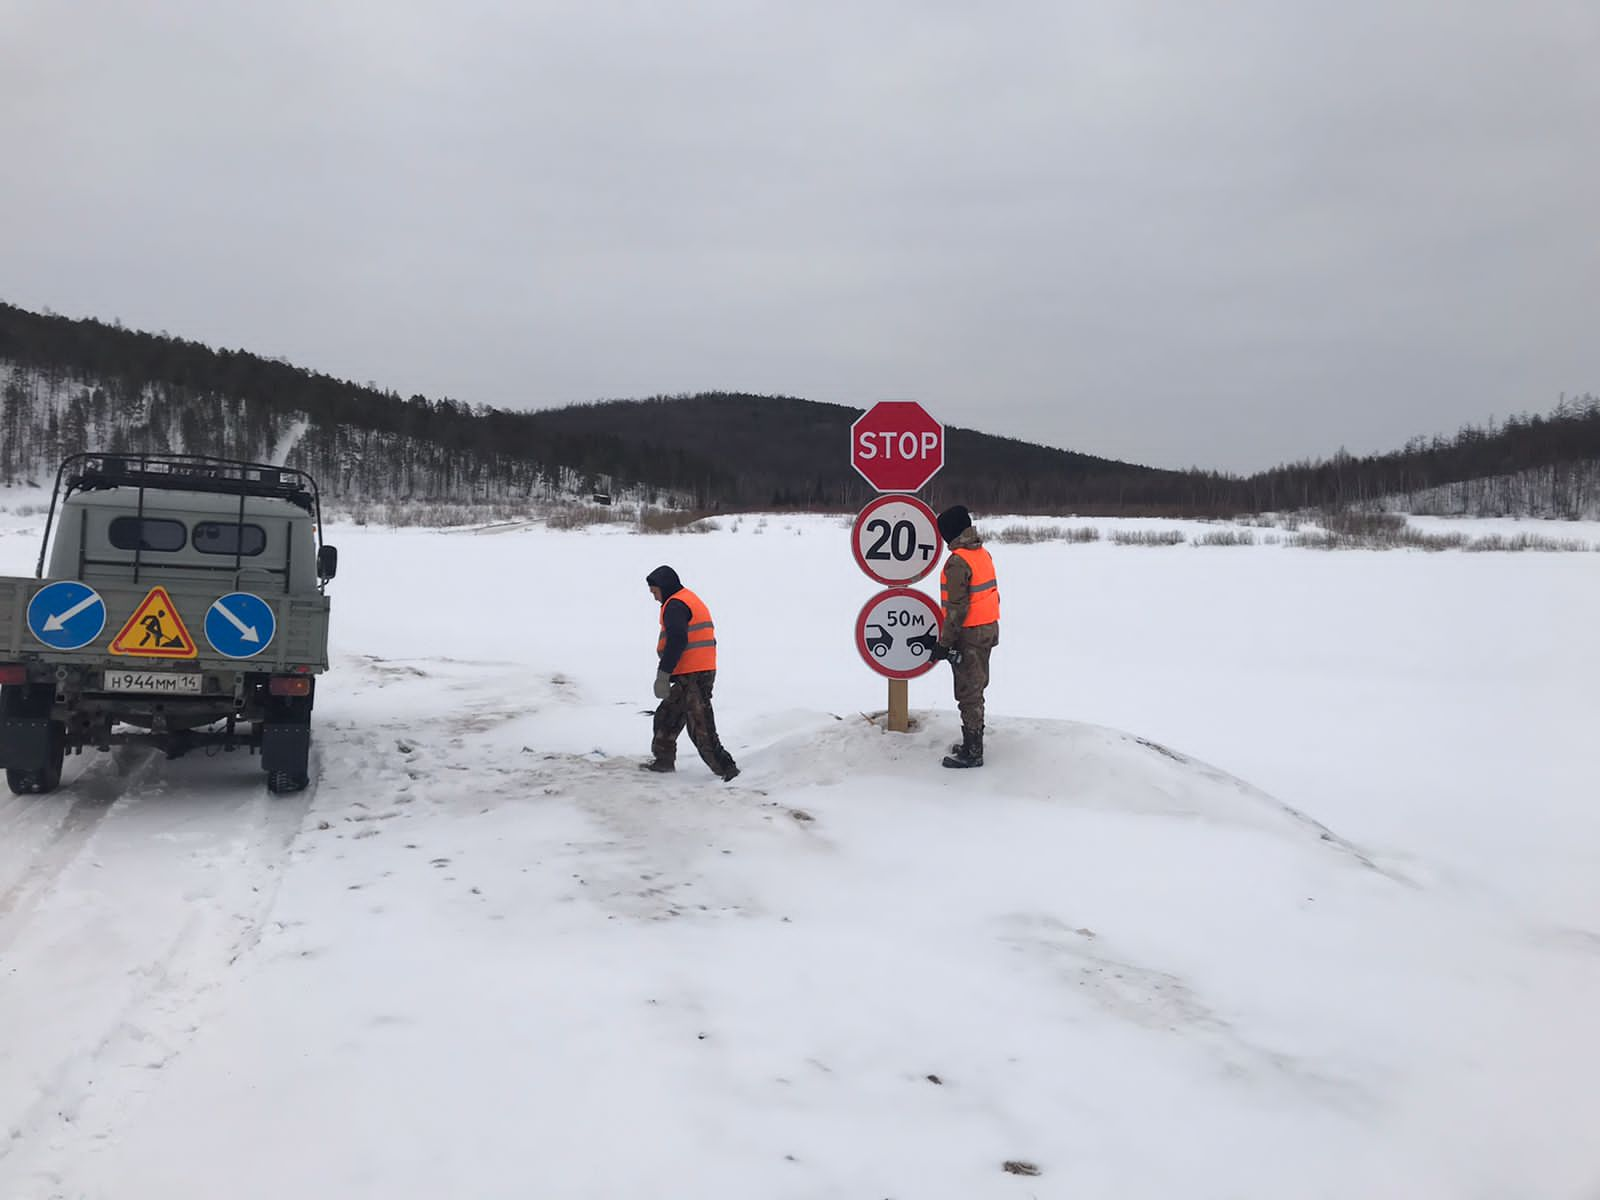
x,y
786,452
68,385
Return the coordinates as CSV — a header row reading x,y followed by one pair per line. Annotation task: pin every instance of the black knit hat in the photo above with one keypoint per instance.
x,y
952,521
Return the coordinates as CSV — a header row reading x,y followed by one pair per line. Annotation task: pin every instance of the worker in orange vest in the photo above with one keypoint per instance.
x,y
970,595
686,669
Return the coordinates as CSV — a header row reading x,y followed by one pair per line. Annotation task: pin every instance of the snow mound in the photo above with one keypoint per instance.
x,y
1056,762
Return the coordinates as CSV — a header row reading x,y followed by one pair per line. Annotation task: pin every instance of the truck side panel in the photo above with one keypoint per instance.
x,y
14,596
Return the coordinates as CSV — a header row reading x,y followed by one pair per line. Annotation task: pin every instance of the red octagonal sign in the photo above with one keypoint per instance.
x,y
897,446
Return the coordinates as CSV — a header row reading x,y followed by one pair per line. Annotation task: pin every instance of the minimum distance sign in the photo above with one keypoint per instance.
x,y
896,539
896,632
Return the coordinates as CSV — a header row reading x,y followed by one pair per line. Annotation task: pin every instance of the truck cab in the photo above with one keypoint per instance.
x,y
180,601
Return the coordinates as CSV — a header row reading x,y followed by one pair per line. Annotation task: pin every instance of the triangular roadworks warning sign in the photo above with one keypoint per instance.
x,y
155,630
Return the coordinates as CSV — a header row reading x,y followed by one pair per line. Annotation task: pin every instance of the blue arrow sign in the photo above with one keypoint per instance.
x,y
240,625
66,615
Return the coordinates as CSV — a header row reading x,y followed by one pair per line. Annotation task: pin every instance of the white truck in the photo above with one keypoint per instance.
x,y
185,604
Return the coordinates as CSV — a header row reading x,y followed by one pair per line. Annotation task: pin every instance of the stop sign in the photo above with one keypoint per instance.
x,y
896,446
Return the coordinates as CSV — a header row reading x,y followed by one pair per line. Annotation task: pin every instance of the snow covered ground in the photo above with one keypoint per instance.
x,y
1279,882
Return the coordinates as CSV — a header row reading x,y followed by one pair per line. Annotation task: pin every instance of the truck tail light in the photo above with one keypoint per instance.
x,y
289,685
13,673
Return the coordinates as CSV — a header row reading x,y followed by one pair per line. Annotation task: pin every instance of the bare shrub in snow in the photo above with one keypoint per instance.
x,y
1030,534
1314,540
1525,541
1148,537
428,514
1377,537
1348,530
582,516
669,520
1374,526
1022,535
1226,537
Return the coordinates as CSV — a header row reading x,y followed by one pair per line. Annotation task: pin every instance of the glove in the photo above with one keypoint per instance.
x,y
663,685
954,656
938,653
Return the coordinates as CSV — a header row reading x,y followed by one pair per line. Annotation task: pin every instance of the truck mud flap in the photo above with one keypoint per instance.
x,y
25,743
285,748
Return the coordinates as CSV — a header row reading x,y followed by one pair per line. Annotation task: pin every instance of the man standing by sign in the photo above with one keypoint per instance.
x,y
685,672
970,595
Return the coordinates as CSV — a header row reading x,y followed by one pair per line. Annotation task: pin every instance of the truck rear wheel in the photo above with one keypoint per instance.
x,y
283,782
47,778
33,704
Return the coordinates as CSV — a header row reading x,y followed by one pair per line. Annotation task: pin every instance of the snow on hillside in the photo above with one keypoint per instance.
x,y
1278,883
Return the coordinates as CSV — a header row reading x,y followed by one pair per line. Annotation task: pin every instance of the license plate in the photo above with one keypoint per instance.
x,y
167,682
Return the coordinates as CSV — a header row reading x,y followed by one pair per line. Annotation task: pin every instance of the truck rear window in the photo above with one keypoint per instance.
x,y
219,537
147,533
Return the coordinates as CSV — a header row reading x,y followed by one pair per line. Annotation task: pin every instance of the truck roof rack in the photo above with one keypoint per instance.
x,y
189,473
97,471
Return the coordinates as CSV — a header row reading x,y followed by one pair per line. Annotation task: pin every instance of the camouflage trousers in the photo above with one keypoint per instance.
x,y
689,703
972,673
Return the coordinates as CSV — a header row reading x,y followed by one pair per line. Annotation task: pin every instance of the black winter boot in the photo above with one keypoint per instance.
x,y
969,753
958,747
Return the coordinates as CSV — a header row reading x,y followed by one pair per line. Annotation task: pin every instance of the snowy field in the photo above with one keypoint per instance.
x,y
1280,882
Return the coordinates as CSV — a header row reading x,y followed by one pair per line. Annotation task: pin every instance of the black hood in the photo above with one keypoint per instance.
x,y
666,579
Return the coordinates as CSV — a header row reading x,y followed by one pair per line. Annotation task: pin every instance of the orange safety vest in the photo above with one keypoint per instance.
x,y
983,605
701,652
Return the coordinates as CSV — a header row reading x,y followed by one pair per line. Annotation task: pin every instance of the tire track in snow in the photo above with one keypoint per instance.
x,y
88,798
208,908
48,861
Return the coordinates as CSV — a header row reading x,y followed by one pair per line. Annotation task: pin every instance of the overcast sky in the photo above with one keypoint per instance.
x,y
1179,233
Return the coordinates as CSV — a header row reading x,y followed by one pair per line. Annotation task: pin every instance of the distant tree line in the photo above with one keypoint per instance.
x,y
1530,462
68,385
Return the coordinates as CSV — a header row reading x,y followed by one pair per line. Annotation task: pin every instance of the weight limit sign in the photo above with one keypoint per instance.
x,y
896,539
